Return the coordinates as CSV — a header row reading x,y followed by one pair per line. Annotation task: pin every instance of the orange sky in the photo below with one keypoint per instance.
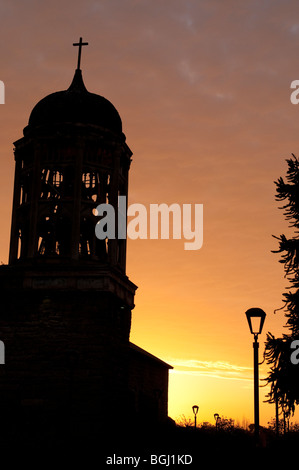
x,y
203,89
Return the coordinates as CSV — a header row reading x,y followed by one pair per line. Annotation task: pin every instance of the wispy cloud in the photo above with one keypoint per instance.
x,y
213,369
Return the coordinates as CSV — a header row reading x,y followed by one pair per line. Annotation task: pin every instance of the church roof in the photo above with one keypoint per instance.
x,y
146,355
78,106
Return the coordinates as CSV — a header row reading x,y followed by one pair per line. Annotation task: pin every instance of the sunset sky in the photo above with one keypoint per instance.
x,y
203,90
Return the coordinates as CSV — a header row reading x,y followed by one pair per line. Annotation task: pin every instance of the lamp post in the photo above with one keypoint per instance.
x,y
256,318
216,417
195,411
277,415
283,407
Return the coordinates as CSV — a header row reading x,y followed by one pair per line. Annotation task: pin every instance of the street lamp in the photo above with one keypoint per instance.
x,y
195,411
256,318
216,417
284,412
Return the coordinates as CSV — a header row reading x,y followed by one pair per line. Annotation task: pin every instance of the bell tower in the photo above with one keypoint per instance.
x,y
73,157
66,299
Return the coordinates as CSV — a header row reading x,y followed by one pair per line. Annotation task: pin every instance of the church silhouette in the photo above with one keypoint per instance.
x,y
70,368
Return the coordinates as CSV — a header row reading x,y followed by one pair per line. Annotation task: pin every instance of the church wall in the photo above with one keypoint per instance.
x,y
148,383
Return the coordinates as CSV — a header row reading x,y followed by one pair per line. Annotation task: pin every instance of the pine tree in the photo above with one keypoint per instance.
x,y
283,377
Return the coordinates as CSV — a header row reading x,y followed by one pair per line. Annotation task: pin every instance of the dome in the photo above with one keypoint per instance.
x,y
76,105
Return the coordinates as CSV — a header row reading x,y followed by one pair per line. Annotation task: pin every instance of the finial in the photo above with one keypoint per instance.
x,y
80,44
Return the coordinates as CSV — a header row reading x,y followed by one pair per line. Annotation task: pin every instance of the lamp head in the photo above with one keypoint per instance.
x,y
255,318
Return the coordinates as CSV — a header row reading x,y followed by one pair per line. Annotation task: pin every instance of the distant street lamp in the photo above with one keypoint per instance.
x,y
216,417
284,411
195,411
256,318
277,414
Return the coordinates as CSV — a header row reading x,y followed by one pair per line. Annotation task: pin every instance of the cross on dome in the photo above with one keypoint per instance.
x,y
80,44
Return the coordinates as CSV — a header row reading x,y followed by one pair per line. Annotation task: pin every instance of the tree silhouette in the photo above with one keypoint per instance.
x,y
283,377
